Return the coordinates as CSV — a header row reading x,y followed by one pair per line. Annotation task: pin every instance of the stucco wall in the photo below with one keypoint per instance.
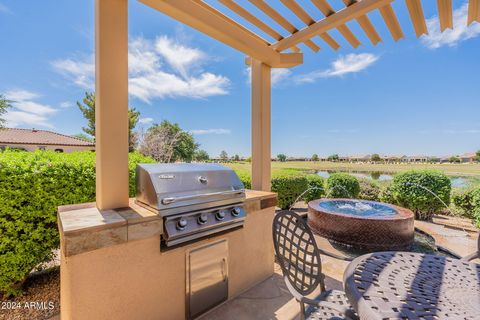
x,y
135,280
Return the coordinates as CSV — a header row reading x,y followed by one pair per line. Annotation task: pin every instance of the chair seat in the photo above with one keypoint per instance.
x,y
332,305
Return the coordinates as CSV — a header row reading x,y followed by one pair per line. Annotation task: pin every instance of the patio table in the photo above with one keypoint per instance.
x,y
406,285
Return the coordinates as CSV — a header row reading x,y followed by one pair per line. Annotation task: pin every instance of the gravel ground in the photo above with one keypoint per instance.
x,y
41,298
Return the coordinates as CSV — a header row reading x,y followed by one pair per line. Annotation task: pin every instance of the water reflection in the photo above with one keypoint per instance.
x,y
457,182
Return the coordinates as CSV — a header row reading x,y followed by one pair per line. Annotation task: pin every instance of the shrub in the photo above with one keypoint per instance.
x,y
463,202
386,195
476,206
32,185
424,192
289,188
316,188
369,190
245,178
342,185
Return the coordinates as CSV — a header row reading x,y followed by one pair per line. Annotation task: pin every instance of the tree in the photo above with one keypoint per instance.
x,y
167,142
236,157
223,155
375,157
315,157
454,159
282,157
201,155
477,156
83,136
87,107
5,104
333,157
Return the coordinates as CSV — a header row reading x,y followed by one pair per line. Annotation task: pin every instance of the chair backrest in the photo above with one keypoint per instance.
x,y
297,252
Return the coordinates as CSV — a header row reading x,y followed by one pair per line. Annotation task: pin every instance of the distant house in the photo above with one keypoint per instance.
x,y
359,158
468,157
33,139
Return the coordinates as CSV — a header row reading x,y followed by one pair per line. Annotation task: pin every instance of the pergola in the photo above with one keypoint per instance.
x,y
111,26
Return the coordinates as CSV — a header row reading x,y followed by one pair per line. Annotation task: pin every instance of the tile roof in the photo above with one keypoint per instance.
x,y
40,137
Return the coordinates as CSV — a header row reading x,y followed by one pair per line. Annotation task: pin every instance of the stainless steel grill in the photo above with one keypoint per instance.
x,y
194,200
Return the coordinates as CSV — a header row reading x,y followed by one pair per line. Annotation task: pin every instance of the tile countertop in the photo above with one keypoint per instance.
x,y
84,228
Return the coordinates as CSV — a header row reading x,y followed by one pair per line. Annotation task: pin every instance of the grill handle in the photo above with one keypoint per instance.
x,y
170,200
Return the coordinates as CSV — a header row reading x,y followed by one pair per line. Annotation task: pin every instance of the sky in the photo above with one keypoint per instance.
x,y
415,96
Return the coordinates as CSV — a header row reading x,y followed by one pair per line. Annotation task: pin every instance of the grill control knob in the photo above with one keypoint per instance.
x,y
236,211
202,218
181,224
220,215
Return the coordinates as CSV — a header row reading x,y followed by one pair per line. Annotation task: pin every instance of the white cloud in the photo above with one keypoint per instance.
x,y
278,76
180,57
66,104
79,71
350,63
145,120
5,9
210,131
157,69
450,37
20,95
19,118
27,112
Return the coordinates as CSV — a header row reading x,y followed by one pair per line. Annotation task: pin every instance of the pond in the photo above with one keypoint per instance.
x,y
457,182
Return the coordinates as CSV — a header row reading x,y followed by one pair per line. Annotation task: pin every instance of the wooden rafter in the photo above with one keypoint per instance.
x,y
232,5
308,20
445,14
366,25
197,14
473,11
327,10
391,21
278,18
341,17
416,15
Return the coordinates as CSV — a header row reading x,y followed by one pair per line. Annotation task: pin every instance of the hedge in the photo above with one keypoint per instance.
x,y
476,206
315,188
289,189
32,186
424,192
342,185
369,190
462,200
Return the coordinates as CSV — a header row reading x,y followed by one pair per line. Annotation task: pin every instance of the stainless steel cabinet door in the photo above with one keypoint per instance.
x,y
207,277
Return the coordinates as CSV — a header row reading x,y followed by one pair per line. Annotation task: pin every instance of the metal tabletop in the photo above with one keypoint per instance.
x,y
406,285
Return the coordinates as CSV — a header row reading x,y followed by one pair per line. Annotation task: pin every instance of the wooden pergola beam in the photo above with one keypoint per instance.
x,y
391,21
445,14
416,15
366,25
278,18
293,6
213,23
327,10
473,11
232,5
341,17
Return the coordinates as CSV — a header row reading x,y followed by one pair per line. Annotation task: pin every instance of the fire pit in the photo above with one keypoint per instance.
x,y
362,224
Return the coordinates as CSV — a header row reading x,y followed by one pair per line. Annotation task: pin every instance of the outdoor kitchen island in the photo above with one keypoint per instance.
x,y
112,266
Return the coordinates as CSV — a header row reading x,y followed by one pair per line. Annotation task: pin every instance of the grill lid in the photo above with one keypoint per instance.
x,y
169,186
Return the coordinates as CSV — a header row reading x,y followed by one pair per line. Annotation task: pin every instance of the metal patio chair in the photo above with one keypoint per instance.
x,y
299,257
475,255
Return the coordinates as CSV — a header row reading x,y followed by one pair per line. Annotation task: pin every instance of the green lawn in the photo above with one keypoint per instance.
x,y
466,170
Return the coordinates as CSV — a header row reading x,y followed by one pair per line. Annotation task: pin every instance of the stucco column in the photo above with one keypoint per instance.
x,y
111,105
261,144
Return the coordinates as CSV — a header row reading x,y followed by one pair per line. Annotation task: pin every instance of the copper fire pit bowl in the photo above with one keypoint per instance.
x,y
362,224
